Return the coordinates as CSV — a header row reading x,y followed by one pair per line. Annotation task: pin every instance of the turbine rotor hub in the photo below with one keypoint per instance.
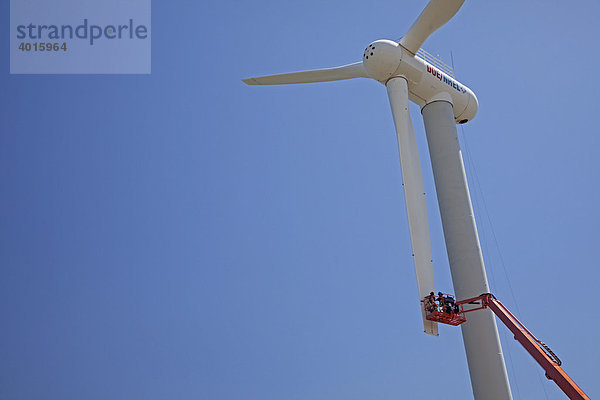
x,y
381,59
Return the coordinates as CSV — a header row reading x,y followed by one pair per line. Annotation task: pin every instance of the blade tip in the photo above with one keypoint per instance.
x,y
250,81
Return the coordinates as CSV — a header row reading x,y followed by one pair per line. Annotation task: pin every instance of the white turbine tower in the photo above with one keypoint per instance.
x,y
444,102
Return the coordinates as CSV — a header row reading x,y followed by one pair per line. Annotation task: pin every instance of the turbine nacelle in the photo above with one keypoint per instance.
x,y
382,59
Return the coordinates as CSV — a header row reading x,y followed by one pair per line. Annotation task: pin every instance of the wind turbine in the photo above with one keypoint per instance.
x,y
444,102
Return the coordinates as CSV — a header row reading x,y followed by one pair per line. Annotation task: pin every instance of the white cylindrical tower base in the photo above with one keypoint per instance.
x,y
480,333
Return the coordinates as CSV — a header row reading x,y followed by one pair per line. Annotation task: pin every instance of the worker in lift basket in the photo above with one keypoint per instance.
x,y
441,302
430,305
450,306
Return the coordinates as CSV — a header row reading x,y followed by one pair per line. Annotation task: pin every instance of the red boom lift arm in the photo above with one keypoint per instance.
x,y
538,350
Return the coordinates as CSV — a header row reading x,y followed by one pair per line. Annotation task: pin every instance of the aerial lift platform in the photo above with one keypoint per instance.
x,y
444,309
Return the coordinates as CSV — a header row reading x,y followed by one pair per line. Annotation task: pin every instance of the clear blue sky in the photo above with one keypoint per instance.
x,y
184,236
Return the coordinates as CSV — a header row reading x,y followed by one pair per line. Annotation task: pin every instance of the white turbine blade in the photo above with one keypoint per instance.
x,y
356,70
414,193
435,14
